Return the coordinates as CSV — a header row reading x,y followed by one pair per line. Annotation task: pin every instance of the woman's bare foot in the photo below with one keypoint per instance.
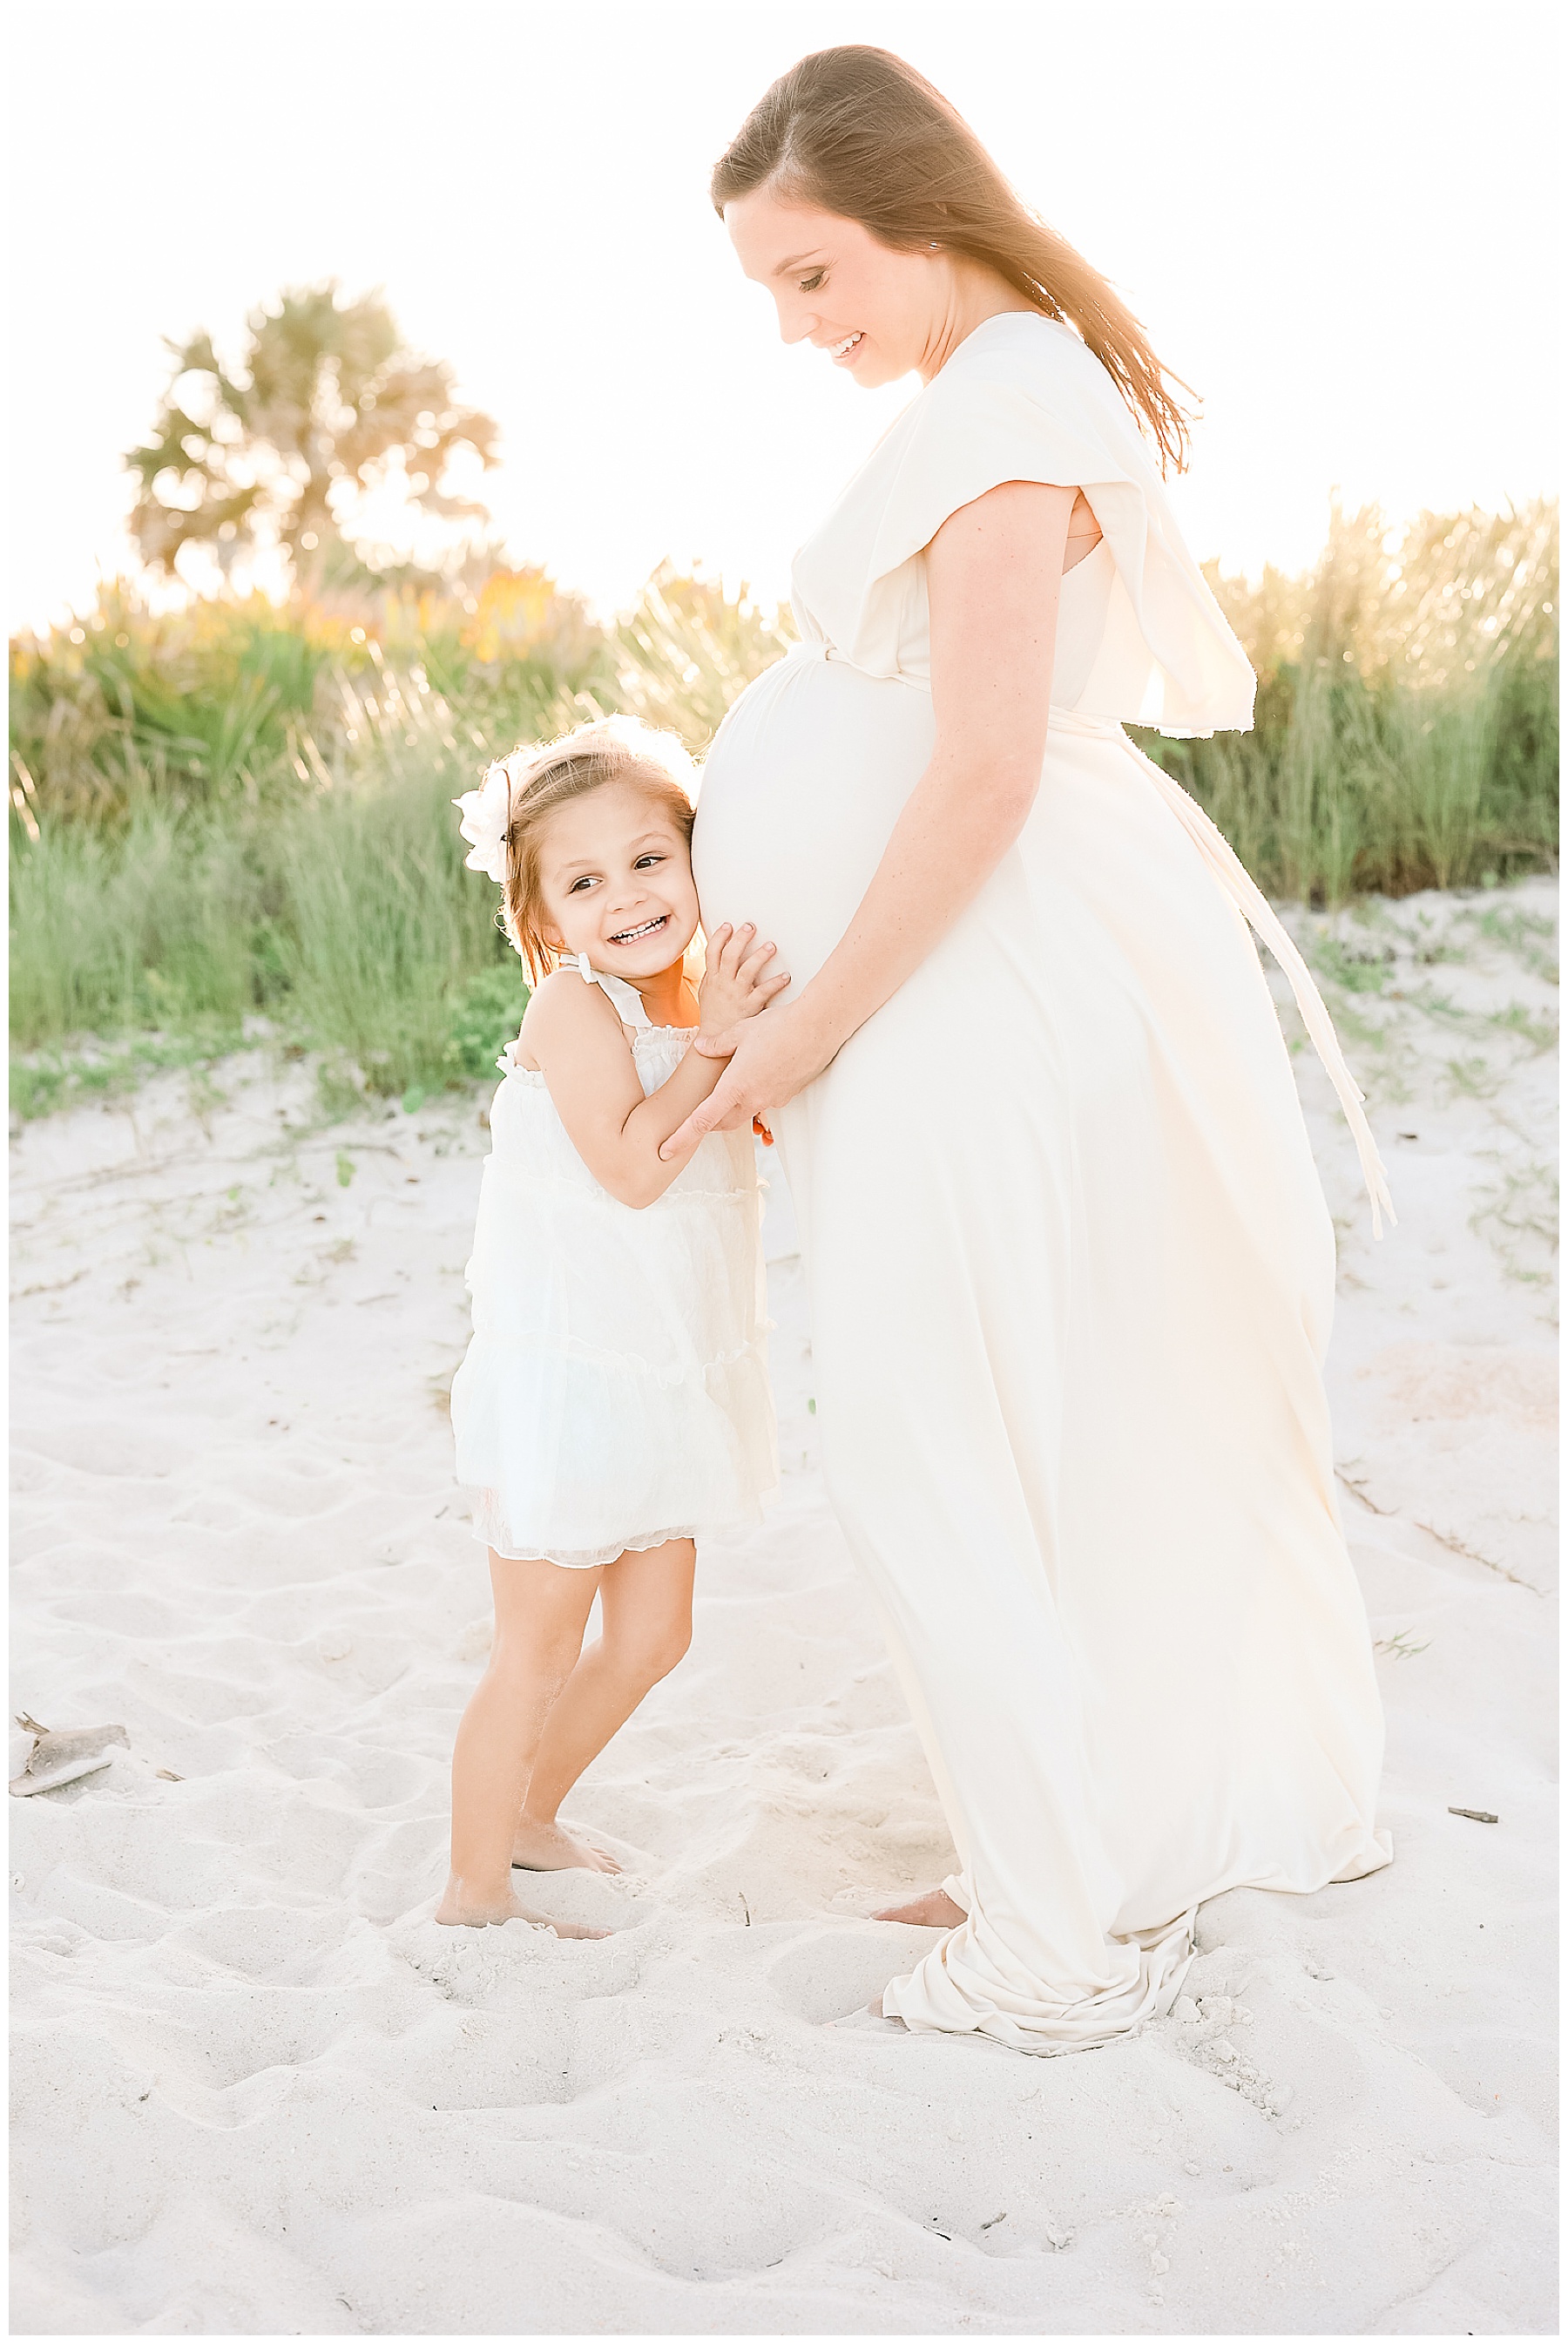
x,y
457,1911
934,1909
870,2016
545,1847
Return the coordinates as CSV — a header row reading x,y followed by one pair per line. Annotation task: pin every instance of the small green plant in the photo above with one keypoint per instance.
x,y
1517,1215
345,1167
1475,1077
1358,968
1515,928
1539,1033
484,1018
1442,1005
43,1080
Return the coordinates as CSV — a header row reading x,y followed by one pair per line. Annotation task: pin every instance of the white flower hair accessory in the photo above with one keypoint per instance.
x,y
623,741
486,815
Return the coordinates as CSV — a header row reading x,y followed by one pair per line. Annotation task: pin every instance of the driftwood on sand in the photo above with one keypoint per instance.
x,y
58,1758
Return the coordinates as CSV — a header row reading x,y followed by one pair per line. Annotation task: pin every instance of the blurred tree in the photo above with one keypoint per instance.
x,y
326,406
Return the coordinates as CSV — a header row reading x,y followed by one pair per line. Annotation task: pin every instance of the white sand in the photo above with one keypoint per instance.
x,y
257,2090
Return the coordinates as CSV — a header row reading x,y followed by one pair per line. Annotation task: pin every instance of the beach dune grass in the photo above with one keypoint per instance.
x,y
1406,728
385,931
156,923
240,812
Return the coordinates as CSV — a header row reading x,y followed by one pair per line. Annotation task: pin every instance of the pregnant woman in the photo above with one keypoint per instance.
x,y
1070,1270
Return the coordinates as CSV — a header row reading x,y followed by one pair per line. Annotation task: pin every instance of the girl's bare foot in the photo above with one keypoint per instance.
x,y
457,1911
934,1909
545,1847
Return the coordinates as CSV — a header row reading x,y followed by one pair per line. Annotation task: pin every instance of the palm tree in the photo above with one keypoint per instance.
x,y
327,405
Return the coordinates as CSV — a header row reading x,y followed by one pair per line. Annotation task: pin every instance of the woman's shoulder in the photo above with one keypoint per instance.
x,y
1019,355
1021,398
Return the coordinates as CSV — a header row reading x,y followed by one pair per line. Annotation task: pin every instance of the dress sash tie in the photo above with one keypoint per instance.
x,y
1255,909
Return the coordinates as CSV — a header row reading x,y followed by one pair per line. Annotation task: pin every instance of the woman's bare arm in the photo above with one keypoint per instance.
x,y
994,574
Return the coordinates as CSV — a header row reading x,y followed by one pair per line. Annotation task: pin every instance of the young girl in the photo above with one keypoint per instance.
x,y
614,1402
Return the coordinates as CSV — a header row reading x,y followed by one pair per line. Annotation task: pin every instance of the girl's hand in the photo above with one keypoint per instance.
x,y
770,1058
738,982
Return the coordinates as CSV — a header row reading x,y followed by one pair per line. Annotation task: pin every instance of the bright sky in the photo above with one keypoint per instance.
x,y
1336,222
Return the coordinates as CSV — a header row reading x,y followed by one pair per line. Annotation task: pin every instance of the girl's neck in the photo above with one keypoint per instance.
x,y
668,997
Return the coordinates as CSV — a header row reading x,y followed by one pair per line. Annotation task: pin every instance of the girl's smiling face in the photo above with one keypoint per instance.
x,y
615,882
878,312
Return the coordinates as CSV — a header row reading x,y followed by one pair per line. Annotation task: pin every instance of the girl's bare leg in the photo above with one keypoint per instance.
x,y
541,1611
646,1602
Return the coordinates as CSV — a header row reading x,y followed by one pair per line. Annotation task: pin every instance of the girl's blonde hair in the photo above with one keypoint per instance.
x,y
538,779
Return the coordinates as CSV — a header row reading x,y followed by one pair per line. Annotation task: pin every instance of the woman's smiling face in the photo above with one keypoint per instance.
x,y
876,311
615,882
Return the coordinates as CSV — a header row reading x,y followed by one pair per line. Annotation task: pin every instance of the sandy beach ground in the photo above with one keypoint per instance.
x,y
257,2090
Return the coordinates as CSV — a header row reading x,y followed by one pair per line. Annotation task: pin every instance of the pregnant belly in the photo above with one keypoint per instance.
x,y
809,773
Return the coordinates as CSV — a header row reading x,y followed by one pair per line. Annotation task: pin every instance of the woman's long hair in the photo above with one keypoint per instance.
x,y
858,132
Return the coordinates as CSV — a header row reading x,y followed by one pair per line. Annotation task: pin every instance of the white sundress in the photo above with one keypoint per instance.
x,y
615,1393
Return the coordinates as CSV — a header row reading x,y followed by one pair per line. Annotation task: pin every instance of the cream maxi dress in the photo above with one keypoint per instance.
x,y
1071,1268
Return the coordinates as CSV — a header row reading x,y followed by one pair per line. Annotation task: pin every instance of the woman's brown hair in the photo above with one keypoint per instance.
x,y
858,132
539,779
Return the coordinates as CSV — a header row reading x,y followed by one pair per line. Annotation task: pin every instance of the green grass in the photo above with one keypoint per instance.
x,y
383,929
238,813
1406,721
348,923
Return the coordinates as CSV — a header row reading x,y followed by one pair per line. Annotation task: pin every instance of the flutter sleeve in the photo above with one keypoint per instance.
x,y
1025,401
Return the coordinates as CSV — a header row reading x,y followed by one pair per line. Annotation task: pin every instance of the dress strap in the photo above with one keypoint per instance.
x,y
1255,909
624,999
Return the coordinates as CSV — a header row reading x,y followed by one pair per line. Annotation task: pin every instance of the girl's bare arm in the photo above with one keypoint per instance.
x,y
574,1035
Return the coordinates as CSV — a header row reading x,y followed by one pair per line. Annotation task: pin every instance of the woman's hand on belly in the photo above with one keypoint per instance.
x,y
771,1058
